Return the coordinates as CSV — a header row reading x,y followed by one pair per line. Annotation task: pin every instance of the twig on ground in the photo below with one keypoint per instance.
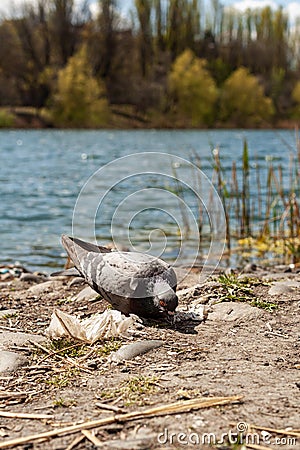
x,y
2,327
56,352
4,395
75,442
109,407
114,402
171,408
88,355
17,415
275,333
63,358
91,437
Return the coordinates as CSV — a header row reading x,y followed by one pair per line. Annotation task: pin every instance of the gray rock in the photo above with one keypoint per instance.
x,y
77,281
10,361
6,276
212,284
186,278
250,268
278,276
231,311
41,288
32,277
247,275
7,312
130,351
283,268
285,287
229,271
86,294
4,285
189,292
9,338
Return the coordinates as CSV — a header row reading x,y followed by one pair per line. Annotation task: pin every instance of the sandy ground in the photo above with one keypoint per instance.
x,y
239,350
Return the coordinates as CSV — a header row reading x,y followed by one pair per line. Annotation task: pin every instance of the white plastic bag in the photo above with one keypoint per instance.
x,y
110,323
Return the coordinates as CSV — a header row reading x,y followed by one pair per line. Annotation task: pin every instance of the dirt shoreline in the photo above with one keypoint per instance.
x,y
239,350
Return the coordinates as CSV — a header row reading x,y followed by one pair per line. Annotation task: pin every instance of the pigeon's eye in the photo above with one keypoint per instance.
x,y
162,303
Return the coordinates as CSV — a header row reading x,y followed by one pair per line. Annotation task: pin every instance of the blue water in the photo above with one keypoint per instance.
x,y
43,172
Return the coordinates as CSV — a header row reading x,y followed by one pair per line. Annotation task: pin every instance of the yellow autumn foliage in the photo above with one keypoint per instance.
x,y
243,101
80,100
193,89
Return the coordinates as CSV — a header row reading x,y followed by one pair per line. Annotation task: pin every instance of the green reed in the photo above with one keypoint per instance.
x,y
223,192
245,219
181,201
268,219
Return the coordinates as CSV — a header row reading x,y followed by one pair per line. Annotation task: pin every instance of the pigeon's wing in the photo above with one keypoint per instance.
x,y
111,277
149,267
105,271
138,272
170,277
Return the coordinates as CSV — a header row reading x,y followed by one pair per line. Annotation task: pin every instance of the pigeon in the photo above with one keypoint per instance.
x,y
132,282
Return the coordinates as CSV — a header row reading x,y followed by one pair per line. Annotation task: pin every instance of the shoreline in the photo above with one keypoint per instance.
x,y
29,118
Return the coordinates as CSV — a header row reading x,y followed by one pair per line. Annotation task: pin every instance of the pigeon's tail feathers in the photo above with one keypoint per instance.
x,y
78,250
72,272
68,240
74,251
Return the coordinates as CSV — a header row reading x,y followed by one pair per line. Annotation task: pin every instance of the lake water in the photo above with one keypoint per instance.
x,y
43,174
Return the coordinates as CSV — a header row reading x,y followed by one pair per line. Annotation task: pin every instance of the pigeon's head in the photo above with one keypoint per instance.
x,y
165,298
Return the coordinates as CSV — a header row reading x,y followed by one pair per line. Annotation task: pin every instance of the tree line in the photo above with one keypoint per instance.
x,y
168,62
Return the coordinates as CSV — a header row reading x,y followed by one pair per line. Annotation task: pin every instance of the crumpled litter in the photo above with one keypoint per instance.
x,y
110,323
196,312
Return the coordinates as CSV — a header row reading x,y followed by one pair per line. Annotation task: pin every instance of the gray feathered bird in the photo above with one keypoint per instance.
x,y
131,282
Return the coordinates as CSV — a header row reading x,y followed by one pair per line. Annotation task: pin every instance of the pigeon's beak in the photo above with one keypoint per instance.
x,y
168,304
171,316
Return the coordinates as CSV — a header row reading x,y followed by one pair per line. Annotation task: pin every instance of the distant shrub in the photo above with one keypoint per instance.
x,y
193,88
80,100
6,119
243,101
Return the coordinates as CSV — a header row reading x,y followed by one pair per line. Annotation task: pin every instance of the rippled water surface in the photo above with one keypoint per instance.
x,y
43,172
